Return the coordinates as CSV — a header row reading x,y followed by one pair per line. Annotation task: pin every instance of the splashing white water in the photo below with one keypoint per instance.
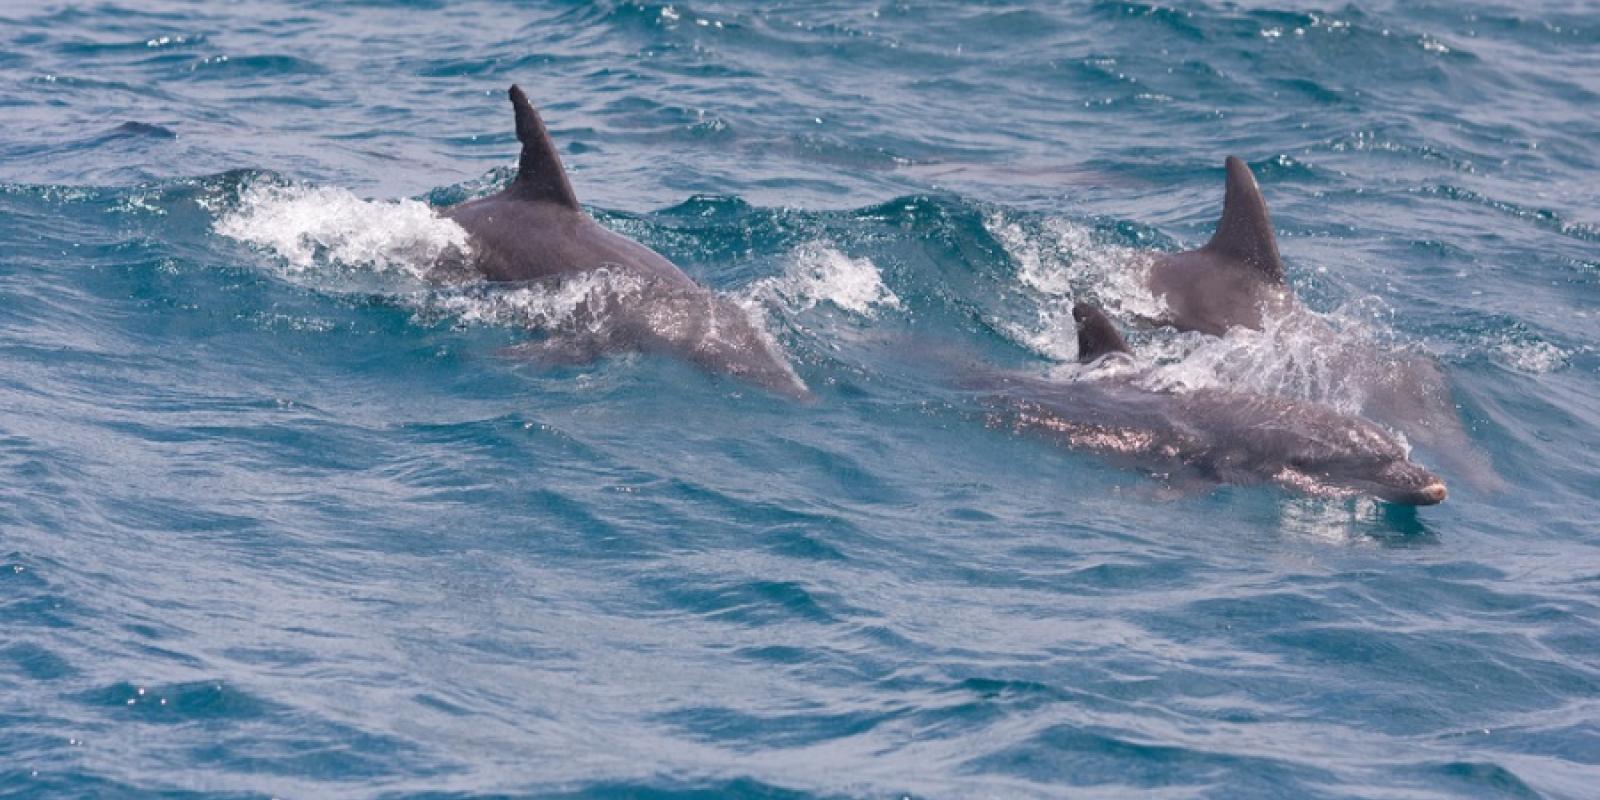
x,y
1533,357
818,273
1060,261
577,301
1061,258
1300,355
311,227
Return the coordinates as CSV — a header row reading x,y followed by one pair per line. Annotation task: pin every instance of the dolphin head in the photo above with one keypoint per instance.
x,y
1367,462
1408,484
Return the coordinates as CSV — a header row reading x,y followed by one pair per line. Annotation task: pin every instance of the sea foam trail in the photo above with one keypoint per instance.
x,y
319,235
1060,261
310,227
1534,357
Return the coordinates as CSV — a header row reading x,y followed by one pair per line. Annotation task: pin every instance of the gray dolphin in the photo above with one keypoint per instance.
x,y
1214,435
1236,278
534,230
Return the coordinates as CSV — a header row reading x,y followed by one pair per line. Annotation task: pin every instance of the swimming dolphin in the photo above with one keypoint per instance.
x,y
534,230
1214,435
1236,278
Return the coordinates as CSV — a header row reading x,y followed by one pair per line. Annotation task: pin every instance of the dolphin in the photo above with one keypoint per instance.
x,y
1213,435
534,230
1237,279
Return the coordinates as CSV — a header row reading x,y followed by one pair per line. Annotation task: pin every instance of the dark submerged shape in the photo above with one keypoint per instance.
x,y
1213,435
1236,277
534,230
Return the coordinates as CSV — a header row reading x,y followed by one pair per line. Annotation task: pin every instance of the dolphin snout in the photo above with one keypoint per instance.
x,y
1432,494
1408,484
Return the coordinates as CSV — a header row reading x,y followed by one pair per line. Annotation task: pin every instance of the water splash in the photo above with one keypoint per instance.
x,y
819,273
1301,355
1060,261
321,235
558,305
315,227
1532,356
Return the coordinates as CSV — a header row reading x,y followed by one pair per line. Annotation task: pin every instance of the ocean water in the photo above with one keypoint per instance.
x,y
280,517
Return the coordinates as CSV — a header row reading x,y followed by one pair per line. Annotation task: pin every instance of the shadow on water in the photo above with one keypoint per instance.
x,y
1356,520
1402,527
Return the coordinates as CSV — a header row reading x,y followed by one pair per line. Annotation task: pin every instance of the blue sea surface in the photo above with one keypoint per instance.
x,y
280,517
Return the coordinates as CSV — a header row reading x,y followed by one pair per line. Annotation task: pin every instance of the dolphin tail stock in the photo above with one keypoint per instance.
x,y
1245,230
1096,335
540,176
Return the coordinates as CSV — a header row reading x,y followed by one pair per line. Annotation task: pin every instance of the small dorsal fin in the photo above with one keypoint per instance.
x,y
1096,335
1245,230
539,172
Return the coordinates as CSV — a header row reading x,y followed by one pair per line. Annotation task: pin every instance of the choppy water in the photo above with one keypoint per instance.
x,y
278,518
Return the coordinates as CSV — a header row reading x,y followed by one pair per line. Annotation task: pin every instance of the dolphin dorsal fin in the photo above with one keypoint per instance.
x,y
539,173
1096,335
1245,230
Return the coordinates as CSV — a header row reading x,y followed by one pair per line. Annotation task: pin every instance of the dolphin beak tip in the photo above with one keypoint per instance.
x,y
1432,494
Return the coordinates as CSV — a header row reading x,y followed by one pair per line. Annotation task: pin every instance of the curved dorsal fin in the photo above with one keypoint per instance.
x,y
539,172
1245,230
1096,335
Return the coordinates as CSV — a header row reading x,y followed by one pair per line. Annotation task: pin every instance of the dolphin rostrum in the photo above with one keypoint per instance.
x,y
534,230
1214,435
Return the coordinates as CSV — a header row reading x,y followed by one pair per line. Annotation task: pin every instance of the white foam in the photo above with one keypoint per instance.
x,y
1300,355
1062,258
1059,260
311,227
1534,357
818,273
554,306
